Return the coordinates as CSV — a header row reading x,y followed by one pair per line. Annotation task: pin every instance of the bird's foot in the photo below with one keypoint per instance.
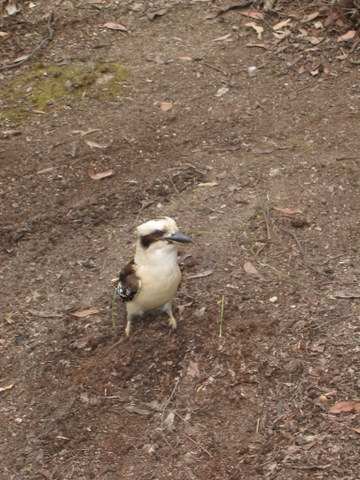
x,y
128,328
172,323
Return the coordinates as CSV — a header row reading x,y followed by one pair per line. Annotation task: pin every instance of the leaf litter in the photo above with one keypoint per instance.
x,y
100,175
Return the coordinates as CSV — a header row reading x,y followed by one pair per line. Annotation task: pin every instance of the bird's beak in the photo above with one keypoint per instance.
x,y
177,237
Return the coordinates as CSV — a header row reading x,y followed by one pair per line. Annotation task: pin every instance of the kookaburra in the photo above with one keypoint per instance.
x,y
150,281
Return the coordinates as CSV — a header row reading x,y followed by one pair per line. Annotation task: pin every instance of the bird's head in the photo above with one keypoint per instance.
x,y
160,233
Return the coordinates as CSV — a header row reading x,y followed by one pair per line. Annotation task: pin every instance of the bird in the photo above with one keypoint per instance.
x,y
151,280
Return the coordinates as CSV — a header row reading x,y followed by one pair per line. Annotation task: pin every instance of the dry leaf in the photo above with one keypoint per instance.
x,y
286,211
310,17
83,133
221,91
282,24
301,70
208,184
347,36
3,34
303,32
206,273
181,308
317,347
258,45
224,37
166,106
9,319
194,369
342,294
318,25
282,35
345,407
20,59
44,314
258,29
169,421
99,176
315,40
85,313
61,437
254,15
45,170
250,269
80,344
138,410
158,13
45,473
185,59
92,144
7,387
330,19
115,26
11,9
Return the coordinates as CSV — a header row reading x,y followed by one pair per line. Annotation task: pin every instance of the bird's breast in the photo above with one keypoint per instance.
x,y
159,285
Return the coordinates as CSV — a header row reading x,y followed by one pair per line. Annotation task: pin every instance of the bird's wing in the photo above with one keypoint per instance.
x,y
129,283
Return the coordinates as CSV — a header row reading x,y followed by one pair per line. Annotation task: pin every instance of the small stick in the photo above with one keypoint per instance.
x,y
143,206
266,218
179,195
198,444
293,234
116,344
357,430
214,67
39,47
169,400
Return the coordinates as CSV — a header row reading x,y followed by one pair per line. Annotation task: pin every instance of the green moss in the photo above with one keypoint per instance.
x,y
58,85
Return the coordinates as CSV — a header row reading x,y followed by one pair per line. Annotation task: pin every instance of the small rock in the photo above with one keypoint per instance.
x,y
169,421
84,398
149,448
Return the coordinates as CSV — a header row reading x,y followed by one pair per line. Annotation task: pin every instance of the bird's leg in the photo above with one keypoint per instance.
x,y
172,321
128,325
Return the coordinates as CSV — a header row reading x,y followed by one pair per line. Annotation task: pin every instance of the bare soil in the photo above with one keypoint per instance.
x,y
261,168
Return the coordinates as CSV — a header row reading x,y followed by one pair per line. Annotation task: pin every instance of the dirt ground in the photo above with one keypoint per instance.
x,y
260,166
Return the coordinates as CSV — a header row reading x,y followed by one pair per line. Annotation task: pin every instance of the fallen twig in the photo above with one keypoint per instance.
x,y
347,157
302,252
357,430
265,212
214,67
198,444
179,195
290,279
144,204
39,47
110,349
169,400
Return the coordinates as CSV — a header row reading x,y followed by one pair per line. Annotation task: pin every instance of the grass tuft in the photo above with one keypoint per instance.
x,y
221,315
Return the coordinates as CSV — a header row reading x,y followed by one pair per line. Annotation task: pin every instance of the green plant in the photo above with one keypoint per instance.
x,y
221,315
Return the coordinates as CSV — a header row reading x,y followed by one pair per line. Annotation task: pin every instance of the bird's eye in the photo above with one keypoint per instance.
x,y
158,233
